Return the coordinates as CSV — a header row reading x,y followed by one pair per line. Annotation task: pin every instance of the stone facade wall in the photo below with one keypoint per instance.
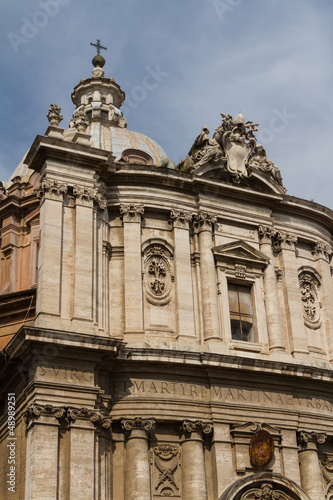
x,y
131,382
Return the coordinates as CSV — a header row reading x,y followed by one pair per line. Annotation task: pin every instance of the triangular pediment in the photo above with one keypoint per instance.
x,y
240,251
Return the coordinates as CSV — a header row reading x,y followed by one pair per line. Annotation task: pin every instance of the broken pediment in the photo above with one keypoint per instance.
x,y
242,252
233,155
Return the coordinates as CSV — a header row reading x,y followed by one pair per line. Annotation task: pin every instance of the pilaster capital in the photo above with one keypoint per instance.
x,y
284,241
84,196
131,212
138,423
204,221
266,233
65,414
309,440
180,218
52,189
189,426
322,250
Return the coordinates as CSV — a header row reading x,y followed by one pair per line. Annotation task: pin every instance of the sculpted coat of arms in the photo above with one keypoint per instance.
x,y
233,148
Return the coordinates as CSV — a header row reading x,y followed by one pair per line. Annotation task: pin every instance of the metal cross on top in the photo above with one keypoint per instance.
x,y
98,46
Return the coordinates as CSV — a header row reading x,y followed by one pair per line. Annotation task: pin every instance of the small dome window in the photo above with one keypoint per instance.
x,y
104,114
103,100
89,115
136,156
90,99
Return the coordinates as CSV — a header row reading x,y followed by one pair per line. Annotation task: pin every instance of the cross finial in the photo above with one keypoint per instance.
x,y
98,46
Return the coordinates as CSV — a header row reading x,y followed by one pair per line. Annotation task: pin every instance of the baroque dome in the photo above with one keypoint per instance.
x,y
125,143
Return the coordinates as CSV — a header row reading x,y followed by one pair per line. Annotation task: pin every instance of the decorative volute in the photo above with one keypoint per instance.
x,y
99,97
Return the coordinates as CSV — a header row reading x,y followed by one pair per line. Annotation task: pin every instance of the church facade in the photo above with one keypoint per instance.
x,y
166,330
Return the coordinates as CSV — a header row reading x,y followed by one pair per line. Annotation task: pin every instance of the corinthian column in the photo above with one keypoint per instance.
x,y
275,336
132,268
194,473
137,471
203,223
311,476
183,273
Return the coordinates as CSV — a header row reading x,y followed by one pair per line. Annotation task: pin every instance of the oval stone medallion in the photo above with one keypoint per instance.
x,y
261,449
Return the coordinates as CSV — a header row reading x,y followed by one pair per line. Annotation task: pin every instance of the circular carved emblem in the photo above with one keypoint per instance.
x,y
261,449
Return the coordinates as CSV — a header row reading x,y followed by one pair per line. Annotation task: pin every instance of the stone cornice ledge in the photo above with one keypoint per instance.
x,y
28,334
209,360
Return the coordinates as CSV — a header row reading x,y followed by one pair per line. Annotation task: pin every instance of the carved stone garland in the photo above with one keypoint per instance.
x,y
158,276
166,470
309,285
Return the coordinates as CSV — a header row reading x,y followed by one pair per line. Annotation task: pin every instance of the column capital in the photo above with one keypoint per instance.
x,y
85,196
131,212
65,414
322,250
138,423
266,233
189,426
284,241
180,218
204,221
52,189
309,440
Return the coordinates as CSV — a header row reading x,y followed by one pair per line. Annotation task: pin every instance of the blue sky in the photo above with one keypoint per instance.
x,y
268,59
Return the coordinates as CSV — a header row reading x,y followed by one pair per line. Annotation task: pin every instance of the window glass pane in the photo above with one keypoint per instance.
x,y
245,300
236,330
241,312
233,299
247,331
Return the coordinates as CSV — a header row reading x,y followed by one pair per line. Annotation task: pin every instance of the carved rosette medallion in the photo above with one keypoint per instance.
x,y
265,492
166,472
157,276
309,285
261,449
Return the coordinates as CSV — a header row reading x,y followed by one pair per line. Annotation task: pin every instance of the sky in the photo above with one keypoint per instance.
x,y
181,63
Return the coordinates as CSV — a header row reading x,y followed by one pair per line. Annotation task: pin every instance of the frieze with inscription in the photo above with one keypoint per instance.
x,y
172,390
